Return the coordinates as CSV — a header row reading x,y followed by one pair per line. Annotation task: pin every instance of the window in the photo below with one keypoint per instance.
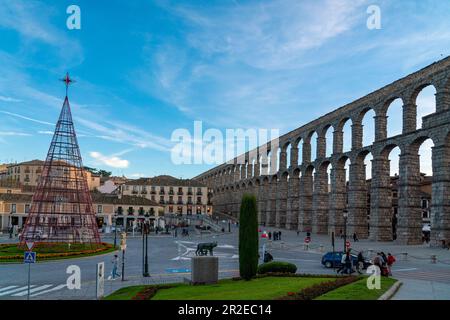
x,y
13,208
27,208
170,209
99,208
424,203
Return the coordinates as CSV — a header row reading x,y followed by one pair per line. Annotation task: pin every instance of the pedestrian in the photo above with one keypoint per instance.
x,y
390,261
176,232
360,263
279,235
298,233
355,237
270,235
348,263
114,272
341,235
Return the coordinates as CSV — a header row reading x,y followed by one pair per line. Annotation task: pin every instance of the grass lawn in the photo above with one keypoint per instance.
x,y
257,289
125,293
358,291
13,253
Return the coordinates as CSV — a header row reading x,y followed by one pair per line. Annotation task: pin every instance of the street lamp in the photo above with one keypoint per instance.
x,y
345,215
115,229
147,229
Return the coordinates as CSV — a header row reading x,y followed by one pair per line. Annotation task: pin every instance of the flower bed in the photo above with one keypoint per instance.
x,y
48,251
317,290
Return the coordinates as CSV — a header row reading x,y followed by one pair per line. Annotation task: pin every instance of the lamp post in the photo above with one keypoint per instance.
x,y
123,247
146,230
345,215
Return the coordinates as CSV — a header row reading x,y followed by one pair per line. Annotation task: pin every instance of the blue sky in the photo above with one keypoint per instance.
x,y
147,68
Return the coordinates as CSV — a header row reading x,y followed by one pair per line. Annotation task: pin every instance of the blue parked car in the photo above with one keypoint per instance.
x,y
333,260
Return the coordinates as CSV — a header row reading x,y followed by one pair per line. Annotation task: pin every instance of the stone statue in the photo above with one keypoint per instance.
x,y
203,248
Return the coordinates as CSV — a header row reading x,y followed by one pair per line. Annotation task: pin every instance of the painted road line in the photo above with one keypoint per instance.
x,y
23,293
49,290
401,270
7,288
15,290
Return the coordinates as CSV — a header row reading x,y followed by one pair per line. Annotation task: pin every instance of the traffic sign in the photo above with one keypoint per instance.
x,y
348,244
29,257
30,245
307,240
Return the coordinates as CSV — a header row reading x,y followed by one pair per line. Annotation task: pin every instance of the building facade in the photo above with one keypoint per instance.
x,y
177,196
28,174
109,209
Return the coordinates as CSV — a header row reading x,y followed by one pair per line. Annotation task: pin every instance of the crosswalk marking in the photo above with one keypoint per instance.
x,y
23,293
7,288
15,290
49,290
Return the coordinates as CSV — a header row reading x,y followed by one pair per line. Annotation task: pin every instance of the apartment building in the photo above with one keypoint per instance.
x,y
178,196
109,209
28,174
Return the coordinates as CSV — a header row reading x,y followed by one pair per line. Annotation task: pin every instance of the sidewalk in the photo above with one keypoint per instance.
x,y
422,290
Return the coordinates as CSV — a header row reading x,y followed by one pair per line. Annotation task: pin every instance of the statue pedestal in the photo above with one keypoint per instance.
x,y
204,270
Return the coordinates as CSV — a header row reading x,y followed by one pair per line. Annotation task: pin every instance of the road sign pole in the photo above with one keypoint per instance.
x,y
29,278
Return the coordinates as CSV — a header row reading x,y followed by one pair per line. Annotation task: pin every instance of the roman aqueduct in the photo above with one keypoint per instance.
x,y
312,195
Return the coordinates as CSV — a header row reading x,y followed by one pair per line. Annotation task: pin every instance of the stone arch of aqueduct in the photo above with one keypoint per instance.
x,y
298,196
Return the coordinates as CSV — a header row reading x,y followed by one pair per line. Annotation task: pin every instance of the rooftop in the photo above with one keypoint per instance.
x,y
165,180
96,198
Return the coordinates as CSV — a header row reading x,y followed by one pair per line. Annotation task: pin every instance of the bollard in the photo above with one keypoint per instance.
x,y
433,258
404,256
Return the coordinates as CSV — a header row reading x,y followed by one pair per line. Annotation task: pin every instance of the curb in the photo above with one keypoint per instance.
x,y
391,291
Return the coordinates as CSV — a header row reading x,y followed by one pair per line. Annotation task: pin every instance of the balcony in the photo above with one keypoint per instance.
x,y
161,192
171,202
190,193
199,193
153,192
190,202
161,201
199,202
134,192
179,202
144,192
171,192
180,193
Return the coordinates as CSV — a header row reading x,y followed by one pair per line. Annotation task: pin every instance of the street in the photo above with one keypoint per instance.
x,y
169,259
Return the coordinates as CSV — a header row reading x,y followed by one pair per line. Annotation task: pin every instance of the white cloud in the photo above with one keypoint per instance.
x,y
26,118
110,161
9,99
14,133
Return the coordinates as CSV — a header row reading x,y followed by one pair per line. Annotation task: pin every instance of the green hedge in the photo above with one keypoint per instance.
x,y
277,266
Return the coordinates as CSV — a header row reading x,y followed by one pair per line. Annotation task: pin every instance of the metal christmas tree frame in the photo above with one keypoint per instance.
x,y
62,210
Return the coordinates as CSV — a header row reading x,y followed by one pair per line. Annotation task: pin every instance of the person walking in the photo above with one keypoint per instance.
x,y
348,263
270,235
355,237
390,261
114,272
279,235
360,263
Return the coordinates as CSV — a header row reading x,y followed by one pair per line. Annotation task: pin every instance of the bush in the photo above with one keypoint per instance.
x,y
248,237
278,267
310,293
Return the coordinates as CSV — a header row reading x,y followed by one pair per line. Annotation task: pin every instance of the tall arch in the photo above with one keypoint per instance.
x,y
320,199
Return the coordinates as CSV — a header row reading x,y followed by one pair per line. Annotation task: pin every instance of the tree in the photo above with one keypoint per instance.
x,y
248,237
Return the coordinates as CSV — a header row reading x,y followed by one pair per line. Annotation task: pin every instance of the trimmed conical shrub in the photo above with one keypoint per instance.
x,y
248,237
